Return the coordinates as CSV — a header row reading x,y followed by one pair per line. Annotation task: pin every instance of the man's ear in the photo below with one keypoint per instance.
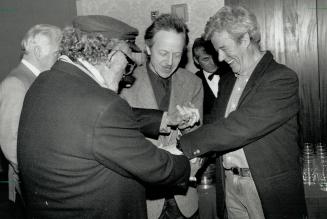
x,y
245,40
196,61
37,51
148,50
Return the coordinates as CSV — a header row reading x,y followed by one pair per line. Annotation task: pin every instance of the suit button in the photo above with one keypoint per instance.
x,y
196,152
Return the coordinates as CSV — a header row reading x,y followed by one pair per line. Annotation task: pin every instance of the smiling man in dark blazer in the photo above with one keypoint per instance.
x,y
254,128
80,148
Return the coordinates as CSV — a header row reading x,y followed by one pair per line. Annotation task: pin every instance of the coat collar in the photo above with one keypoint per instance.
x,y
257,74
72,70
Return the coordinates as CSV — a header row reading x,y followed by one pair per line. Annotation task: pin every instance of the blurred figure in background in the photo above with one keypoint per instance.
x,y
40,48
162,84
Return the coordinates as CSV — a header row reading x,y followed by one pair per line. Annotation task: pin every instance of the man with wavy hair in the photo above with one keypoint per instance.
x,y
254,129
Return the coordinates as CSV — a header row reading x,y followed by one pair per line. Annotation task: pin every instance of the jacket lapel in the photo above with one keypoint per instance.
x,y
177,92
145,93
256,75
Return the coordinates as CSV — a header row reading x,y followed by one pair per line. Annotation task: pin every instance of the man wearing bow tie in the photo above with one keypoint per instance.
x,y
211,70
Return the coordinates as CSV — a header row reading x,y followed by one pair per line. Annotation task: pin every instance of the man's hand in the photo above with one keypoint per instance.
x,y
196,164
171,149
191,112
177,117
183,117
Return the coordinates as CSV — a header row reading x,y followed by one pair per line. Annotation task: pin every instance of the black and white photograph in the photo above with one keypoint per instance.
x,y
151,109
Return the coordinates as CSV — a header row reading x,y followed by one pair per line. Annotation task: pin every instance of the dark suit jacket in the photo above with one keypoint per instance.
x,y
82,154
208,96
265,126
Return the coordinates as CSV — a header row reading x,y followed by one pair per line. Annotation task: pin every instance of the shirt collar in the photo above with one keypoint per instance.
x,y
250,70
31,67
87,68
207,74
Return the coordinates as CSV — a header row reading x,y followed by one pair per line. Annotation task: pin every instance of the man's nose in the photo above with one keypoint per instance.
x,y
170,59
221,56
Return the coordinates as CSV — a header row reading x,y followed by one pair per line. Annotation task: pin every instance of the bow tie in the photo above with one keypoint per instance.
x,y
210,77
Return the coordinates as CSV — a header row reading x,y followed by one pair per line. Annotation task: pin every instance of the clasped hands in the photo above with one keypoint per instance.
x,y
195,163
183,117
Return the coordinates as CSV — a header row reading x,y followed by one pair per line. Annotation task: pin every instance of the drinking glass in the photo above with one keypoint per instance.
x,y
322,176
309,170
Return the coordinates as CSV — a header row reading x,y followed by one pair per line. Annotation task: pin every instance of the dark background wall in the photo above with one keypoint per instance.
x,y
17,16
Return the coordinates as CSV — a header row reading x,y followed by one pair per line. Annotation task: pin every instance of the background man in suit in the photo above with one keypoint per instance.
x,y
40,51
162,84
205,58
80,148
255,132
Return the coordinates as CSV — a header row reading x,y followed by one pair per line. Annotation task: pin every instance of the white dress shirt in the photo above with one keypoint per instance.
x,y
31,67
213,84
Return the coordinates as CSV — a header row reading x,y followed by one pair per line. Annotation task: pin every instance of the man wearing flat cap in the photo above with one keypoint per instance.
x,y
108,27
81,151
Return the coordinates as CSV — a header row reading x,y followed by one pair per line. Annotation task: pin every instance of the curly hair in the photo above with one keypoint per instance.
x,y
92,47
236,21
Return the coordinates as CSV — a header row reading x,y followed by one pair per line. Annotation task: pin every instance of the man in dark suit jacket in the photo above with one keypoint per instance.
x,y
211,71
80,148
254,129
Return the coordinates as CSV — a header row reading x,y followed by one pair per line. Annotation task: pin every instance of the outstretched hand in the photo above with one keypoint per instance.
x,y
191,112
184,117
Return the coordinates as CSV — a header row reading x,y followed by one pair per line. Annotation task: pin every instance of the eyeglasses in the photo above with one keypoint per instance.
x,y
130,66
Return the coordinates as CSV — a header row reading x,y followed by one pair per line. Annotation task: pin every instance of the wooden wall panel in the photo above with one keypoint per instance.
x,y
322,54
302,56
289,30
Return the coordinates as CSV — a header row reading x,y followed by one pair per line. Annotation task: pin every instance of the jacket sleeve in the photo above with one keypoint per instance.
x,y
12,98
197,101
149,121
119,143
268,106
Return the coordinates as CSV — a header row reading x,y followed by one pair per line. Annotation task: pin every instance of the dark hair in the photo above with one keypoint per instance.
x,y
166,22
206,45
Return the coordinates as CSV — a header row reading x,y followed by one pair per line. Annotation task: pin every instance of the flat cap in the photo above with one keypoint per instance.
x,y
108,27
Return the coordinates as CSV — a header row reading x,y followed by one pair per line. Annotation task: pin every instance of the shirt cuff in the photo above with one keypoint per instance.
x,y
164,128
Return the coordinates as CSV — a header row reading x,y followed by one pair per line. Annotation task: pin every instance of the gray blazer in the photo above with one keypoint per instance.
x,y
186,87
12,92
